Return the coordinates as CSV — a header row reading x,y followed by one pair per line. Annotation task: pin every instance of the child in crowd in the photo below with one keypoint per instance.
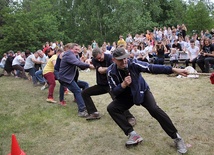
x,y
173,57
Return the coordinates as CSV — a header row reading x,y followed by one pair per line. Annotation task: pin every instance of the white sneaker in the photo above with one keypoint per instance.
x,y
181,147
44,87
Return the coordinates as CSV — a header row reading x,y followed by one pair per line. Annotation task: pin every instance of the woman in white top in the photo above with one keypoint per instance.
x,y
143,56
135,52
193,52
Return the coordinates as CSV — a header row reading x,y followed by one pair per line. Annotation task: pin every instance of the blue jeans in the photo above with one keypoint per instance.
x,y
82,84
32,73
39,76
75,89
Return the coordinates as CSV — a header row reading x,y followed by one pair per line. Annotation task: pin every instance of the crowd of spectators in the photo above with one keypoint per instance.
x,y
155,46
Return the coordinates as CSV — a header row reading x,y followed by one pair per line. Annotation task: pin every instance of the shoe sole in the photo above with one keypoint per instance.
x,y
135,144
95,118
51,102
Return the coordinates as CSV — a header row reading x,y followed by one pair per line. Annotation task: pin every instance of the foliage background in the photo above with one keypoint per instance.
x,y
28,24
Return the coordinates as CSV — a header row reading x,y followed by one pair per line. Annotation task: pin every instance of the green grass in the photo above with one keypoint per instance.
x,y
49,129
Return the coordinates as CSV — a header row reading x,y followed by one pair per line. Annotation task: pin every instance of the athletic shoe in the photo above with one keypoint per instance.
x,y
63,103
181,147
83,113
50,100
132,121
134,139
44,87
93,116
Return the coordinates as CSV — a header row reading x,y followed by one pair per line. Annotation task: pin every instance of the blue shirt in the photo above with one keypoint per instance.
x,y
68,66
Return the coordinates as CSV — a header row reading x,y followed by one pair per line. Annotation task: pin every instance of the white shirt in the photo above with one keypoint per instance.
x,y
29,63
135,53
145,52
193,52
107,52
17,60
44,60
3,60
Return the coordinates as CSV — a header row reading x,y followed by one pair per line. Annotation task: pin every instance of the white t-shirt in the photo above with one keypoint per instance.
x,y
44,60
3,60
135,53
193,52
29,63
107,52
145,52
17,60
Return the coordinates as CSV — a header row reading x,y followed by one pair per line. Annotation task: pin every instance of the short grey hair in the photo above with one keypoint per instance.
x,y
96,51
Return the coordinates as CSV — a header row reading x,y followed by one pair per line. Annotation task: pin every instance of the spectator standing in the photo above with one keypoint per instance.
x,y
183,30
121,41
129,38
207,34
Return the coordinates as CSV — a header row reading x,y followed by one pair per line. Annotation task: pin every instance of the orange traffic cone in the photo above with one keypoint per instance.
x,y
212,78
15,149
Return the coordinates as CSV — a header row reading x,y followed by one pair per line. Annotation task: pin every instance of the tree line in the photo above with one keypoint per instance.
x,y
28,24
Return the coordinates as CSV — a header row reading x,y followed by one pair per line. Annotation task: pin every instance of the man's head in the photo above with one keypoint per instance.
x,y
98,54
74,47
40,53
11,53
192,42
120,58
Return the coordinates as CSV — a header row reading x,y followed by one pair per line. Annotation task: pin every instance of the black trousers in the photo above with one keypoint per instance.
x,y
118,106
98,90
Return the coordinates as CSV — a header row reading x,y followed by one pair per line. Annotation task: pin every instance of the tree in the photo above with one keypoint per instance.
x,y
198,17
28,26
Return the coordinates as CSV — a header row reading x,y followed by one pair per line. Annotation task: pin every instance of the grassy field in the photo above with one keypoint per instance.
x,y
42,128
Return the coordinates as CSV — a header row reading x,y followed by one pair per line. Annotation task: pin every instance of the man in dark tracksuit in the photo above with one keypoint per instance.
x,y
129,87
101,62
